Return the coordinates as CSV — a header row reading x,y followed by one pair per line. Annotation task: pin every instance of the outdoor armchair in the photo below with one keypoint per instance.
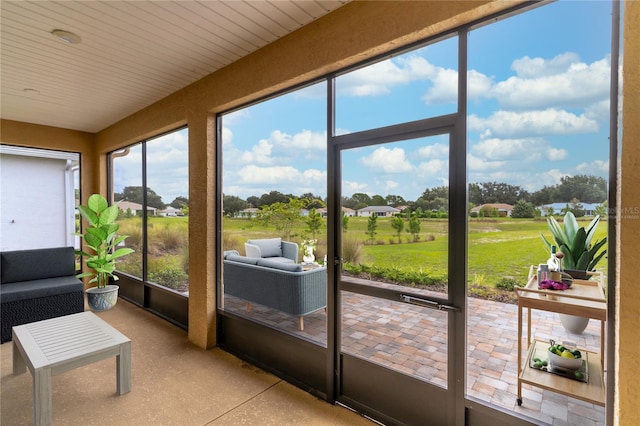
x,y
272,248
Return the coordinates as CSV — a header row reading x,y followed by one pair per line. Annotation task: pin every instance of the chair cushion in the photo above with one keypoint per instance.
x,y
40,288
269,247
230,252
276,264
36,264
242,259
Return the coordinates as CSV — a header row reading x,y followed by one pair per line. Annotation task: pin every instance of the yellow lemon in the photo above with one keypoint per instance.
x,y
567,354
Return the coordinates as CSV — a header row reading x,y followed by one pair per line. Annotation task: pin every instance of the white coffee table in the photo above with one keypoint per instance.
x,y
61,344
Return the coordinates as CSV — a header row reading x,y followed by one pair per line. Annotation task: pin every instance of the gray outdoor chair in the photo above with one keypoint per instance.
x,y
272,248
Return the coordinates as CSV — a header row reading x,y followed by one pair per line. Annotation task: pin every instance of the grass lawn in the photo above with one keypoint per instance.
x,y
497,247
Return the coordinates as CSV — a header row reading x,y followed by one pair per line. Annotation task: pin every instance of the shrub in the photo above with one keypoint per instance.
x,y
508,284
351,250
172,277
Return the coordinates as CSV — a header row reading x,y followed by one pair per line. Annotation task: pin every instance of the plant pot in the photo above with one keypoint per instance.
x,y
574,324
578,275
102,299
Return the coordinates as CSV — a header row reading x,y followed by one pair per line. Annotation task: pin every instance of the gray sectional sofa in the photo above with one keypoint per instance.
x,y
38,284
272,283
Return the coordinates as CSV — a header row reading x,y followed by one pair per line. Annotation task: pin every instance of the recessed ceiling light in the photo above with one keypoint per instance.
x,y
66,36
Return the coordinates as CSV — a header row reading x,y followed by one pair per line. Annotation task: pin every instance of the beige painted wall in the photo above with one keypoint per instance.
x,y
628,283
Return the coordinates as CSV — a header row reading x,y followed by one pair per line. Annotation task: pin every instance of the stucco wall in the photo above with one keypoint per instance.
x,y
628,283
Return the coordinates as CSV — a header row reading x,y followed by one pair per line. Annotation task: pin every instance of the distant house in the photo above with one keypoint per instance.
x,y
135,208
248,213
589,208
504,210
170,211
347,211
380,211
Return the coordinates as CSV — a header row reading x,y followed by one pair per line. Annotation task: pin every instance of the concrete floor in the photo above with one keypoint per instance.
x,y
174,383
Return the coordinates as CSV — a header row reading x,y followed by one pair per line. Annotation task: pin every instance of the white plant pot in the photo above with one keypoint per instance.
x,y
102,299
574,324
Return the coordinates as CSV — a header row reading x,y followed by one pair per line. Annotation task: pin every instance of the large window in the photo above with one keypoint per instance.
x,y
538,128
537,100
274,187
154,209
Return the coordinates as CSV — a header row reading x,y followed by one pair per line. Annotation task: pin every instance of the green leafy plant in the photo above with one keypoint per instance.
x,y
575,242
101,237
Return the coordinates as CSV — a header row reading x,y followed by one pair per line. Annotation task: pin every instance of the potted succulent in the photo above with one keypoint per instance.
x,y
101,237
574,242
579,256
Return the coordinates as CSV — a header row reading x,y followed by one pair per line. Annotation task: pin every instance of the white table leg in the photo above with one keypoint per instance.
x,y
42,397
123,368
19,365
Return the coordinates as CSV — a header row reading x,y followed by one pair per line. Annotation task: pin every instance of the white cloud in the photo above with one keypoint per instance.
x,y
445,87
556,154
435,167
252,174
349,188
562,81
594,166
260,153
389,186
532,123
437,150
478,84
535,67
478,164
227,136
386,160
525,149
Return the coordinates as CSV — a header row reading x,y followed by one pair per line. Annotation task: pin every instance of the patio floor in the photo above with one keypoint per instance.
x,y
175,382
412,340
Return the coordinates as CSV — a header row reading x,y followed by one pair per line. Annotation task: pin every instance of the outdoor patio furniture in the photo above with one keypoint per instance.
x,y
282,286
58,345
272,248
38,284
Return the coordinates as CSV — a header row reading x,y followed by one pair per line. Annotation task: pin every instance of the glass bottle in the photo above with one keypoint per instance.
x,y
553,262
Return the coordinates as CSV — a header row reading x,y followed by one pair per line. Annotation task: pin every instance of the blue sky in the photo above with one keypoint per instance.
x,y
537,111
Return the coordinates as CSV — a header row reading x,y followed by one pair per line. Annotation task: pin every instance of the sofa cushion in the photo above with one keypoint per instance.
x,y
242,259
230,252
24,290
276,264
269,247
35,264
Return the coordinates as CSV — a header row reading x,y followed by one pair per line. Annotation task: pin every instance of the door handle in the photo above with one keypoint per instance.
x,y
426,303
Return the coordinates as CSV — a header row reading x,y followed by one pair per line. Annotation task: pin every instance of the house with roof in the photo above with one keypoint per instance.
x,y
380,211
502,209
135,208
558,208
346,210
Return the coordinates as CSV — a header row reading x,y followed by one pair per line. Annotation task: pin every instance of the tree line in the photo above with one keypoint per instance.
x,y
570,190
134,195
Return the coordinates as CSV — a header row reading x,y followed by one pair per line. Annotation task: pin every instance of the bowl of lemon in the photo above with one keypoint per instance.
x,y
563,357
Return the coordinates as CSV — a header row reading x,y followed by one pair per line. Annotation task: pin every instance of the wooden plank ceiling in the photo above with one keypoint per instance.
x,y
131,54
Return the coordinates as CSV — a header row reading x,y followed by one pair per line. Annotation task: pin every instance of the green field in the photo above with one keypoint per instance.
x,y
497,247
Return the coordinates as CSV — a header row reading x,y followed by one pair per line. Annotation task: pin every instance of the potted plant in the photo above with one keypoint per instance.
x,y
574,242
579,256
101,237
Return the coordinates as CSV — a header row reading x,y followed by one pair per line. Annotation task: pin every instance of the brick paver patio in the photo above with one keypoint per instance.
x,y
413,340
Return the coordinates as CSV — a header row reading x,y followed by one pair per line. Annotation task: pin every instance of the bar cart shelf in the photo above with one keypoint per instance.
x,y
584,298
